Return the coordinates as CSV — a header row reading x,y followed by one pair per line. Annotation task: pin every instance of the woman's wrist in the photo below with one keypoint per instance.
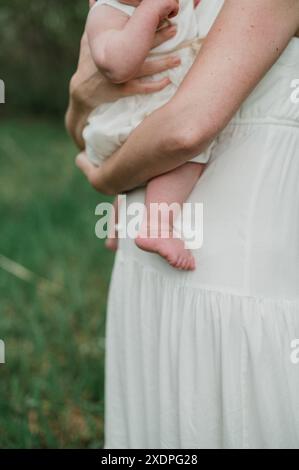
x,y
75,121
80,105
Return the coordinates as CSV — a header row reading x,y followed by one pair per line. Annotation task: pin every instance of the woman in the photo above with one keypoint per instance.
x,y
208,359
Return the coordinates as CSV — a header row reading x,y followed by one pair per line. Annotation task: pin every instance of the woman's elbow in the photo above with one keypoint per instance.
x,y
188,139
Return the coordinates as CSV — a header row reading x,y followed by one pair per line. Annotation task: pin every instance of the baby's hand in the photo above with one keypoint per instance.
x,y
166,8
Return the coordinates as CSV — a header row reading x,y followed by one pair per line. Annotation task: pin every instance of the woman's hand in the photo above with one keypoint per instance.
x,y
89,88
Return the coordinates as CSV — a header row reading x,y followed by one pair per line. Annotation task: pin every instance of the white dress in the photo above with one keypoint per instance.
x,y
110,124
208,359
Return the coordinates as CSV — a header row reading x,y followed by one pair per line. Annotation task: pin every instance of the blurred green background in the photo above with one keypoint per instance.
x,y
53,322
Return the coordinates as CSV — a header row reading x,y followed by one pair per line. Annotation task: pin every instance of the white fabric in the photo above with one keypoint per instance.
x,y
129,10
206,13
110,124
203,359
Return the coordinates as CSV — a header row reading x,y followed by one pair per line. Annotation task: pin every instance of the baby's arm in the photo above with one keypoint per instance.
x,y
119,44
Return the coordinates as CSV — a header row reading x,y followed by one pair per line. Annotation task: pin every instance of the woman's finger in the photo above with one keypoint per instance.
x,y
164,34
151,67
86,166
139,86
91,3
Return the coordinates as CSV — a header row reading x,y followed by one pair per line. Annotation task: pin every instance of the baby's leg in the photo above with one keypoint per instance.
x,y
158,236
112,238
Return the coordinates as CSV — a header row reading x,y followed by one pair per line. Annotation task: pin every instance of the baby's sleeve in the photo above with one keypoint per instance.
x,y
129,10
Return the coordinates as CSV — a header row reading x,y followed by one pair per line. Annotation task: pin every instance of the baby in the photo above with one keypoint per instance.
x,y
120,38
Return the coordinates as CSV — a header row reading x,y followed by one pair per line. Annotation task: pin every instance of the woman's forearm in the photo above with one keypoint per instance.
x,y
155,147
224,74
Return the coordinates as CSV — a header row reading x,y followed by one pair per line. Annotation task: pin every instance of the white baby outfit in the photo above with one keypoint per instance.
x,y
110,124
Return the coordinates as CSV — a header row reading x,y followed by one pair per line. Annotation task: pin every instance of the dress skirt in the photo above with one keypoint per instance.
x,y
210,358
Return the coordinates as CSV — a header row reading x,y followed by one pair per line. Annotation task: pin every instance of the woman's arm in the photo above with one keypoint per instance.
x,y
245,41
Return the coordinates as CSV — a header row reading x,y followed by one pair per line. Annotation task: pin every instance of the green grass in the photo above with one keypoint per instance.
x,y
51,387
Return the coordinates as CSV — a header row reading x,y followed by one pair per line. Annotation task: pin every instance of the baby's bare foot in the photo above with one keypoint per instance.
x,y
112,244
171,249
